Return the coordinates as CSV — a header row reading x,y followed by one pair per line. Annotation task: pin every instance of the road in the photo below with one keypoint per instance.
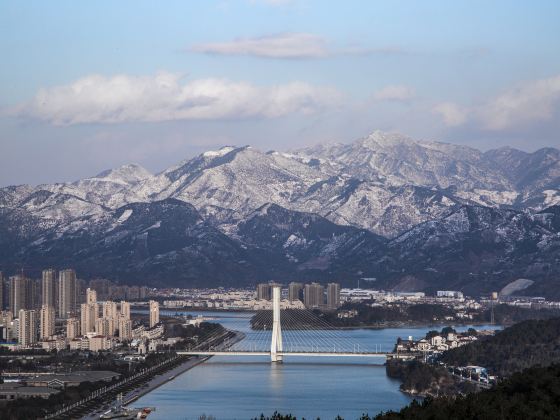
x,y
153,383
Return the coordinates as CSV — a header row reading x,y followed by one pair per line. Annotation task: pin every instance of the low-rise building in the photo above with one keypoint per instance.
x,y
99,343
72,379
79,344
14,391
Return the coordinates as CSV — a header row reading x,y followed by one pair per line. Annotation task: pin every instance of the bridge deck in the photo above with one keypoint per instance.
x,y
288,353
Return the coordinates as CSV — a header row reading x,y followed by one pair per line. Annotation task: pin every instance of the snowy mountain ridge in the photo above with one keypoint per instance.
x,y
385,182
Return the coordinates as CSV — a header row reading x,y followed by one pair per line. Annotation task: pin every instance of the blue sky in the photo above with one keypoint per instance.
x,y
89,85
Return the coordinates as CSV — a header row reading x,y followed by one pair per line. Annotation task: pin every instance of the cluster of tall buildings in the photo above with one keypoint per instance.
x,y
105,322
313,295
59,290
29,309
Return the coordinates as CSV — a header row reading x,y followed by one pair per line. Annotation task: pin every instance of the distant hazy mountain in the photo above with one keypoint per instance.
x,y
384,206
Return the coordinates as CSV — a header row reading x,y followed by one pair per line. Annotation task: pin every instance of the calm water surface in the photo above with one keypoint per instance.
x,y
311,387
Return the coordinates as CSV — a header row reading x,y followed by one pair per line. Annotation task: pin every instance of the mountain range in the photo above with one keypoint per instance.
x,y
414,215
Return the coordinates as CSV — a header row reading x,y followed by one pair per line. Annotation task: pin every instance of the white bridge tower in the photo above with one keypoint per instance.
x,y
276,344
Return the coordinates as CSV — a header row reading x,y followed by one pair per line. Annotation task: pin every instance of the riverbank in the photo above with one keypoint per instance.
x,y
419,379
403,324
153,383
156,381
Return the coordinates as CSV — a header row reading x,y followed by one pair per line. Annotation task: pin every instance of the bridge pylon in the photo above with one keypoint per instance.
x,y
276,344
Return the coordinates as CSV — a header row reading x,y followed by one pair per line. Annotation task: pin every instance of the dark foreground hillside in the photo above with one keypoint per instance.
x,y
531,394
523,345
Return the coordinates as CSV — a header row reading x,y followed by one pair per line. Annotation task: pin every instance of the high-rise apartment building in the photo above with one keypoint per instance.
x,y
110,310
20,293
154,313
125,309
89,313
333,295
48,288
67,293
264,291
46,329
314,295
125,328
1,291
101,326
27,332
295,291
72,328
91,296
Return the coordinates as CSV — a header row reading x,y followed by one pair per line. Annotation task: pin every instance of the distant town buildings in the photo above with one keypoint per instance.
x,y
452,294
314,296
295,292
333,295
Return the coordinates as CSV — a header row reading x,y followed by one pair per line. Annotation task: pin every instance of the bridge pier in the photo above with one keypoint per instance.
x,y
276,344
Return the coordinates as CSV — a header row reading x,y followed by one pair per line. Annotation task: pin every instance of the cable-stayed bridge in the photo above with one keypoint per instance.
x,y
285,333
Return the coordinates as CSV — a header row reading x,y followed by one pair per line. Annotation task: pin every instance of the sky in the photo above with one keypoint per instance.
x,y
91,85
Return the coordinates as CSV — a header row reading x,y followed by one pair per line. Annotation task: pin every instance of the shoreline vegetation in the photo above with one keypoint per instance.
x,y
420,379
397,315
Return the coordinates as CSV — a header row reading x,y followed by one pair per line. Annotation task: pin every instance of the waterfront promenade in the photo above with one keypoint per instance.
x,y
129,397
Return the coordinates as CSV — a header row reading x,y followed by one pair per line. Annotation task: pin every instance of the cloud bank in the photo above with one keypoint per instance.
x,y
165,97
452,114
526,105
532,102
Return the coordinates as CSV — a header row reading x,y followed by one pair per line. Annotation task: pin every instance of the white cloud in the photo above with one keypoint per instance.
x,y
164,97
395,93
523,106
453,115
530,103
289,45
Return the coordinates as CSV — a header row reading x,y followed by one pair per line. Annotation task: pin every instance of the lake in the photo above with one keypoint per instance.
x,y
228,387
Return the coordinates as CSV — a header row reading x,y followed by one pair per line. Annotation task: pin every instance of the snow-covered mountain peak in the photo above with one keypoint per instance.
x,y
131,173
382,139
220,152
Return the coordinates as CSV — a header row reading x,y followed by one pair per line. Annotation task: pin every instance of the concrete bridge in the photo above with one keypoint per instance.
x,y
277,349
281,354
